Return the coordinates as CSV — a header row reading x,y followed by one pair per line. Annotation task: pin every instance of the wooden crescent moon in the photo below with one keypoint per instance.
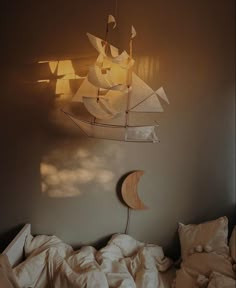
x,y
129,191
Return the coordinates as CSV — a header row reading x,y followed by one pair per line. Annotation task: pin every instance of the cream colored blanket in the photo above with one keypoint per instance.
x,y
123,263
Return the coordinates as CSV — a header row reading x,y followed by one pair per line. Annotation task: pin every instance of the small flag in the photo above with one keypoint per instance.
x,y
111,19
133,32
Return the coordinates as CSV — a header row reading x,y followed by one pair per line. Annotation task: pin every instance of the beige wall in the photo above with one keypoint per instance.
x,y
188,47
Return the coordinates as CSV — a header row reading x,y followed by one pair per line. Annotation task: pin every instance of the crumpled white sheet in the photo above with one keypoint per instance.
x,y
123,263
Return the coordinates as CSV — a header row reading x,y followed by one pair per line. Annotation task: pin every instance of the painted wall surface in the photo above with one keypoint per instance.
x,y
186,46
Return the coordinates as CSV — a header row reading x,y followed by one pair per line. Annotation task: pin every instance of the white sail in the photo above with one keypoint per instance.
x,y
101,108
86,89
107,106
122,59
139,91
141,133
101,103
150,104
97,43
114,51
98,79
162,94
104,79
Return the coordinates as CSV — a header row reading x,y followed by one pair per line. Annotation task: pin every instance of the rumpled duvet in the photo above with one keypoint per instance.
x,y
123,263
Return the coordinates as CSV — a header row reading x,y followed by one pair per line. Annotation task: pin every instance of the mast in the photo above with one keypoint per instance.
x,y
129,75
110,19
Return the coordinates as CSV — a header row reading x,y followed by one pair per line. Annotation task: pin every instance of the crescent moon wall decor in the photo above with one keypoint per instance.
x,y
129,191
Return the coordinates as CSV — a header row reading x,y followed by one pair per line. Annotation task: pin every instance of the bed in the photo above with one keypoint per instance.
x,y
123,262
207,261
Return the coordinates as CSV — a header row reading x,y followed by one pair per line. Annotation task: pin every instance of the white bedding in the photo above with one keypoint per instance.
x,y
123,263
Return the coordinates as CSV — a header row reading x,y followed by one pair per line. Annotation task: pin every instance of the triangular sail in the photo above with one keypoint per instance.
x,y
162,94
100,45
101,79
101,108
114,51
97,43
139,92
122,59
86,89
107,106
98,79
150,104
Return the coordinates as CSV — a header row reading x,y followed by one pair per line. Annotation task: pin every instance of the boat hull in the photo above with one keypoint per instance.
x,y
115,132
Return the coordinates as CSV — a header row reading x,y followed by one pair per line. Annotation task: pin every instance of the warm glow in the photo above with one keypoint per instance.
x,y
66,172
63,87
112,101
147,68
53,66
65,73
65,67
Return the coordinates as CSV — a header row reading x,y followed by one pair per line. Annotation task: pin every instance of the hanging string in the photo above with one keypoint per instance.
x,y
127,222
116,9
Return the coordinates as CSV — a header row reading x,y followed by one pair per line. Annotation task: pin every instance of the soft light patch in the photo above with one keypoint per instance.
x,y
67,170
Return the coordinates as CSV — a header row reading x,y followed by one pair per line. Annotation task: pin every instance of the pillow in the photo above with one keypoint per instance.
x,y
232,244
7,277
206,237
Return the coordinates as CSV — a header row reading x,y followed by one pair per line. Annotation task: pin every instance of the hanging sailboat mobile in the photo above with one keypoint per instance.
x,y
112,99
